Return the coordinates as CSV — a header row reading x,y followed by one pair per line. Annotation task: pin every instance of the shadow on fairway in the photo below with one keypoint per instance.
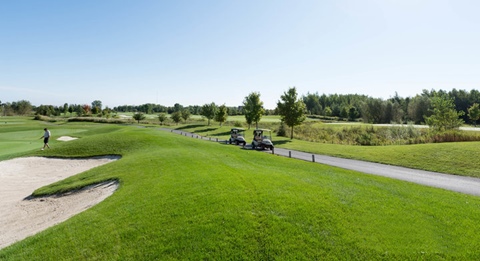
x,y
281,142
190,126
221,133
205,130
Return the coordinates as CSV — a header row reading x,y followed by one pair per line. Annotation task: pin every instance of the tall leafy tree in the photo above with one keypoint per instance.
x,y
95,110
79,110
65,108
139,116
162,117
418,108
253,108
222,114
312,102
98,104
22,107
71,109
474,113
177,107
186,114
176,116
291,109
208,111
444,116
374,110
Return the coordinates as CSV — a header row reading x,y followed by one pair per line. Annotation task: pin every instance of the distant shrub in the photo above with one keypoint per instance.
x,y
378,136
44,118
282,130
98,120
237,124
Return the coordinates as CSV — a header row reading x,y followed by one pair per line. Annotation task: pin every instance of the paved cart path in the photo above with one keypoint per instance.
x,y
467,185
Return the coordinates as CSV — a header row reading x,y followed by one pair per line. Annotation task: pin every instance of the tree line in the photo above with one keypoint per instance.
x,y
348,107
393,110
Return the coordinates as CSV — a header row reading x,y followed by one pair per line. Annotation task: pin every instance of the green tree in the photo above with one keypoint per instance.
x,y
253,108
444,116
22,107
327,111
45,110
65,108
418,108
186,114
71,109
474,113
106,112
95,110
222,114
375,110
176,116
208,111
291,109
352,113
98,104
177,107
397,112
139,116
312,102
79,110
162,117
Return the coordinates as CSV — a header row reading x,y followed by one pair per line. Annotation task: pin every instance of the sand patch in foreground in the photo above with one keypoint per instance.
x,y
21,217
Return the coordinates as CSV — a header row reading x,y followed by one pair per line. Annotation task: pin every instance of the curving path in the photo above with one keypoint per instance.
x,y
466,185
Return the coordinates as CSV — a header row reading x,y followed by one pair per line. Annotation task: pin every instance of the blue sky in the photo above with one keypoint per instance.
x,y
196,52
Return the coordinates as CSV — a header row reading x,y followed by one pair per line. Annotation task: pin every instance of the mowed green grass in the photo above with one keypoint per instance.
x,y
186,199
457,158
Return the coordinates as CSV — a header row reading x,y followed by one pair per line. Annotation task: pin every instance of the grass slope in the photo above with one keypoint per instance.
x,y
452,157
182,198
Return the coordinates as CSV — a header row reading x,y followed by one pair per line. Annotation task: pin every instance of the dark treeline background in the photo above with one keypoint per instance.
x,y
393,110
348,107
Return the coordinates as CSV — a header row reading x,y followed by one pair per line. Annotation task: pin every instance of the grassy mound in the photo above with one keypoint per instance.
x,y
182,198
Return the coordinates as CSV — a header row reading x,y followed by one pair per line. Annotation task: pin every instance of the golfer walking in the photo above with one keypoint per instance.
x,y
46,137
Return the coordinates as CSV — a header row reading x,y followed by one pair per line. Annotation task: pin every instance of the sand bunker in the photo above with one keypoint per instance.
x,y
21,217
66,138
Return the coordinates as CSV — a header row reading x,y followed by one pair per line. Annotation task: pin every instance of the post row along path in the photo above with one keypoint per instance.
x,y
466,185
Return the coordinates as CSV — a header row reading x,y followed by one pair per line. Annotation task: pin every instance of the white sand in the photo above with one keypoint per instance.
x,y
21,217
66,138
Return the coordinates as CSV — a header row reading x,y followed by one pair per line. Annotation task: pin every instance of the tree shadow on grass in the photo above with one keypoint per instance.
x,y
281,142
221,133
205,130
190,126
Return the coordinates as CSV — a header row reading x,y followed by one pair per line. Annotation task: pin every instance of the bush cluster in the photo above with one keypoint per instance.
x,y
97,120
379,136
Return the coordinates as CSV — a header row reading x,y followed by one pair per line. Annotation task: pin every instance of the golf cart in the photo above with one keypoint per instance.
x,y
261,141
236,136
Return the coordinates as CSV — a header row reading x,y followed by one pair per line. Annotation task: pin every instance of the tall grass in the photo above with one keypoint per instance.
x,y
369,135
